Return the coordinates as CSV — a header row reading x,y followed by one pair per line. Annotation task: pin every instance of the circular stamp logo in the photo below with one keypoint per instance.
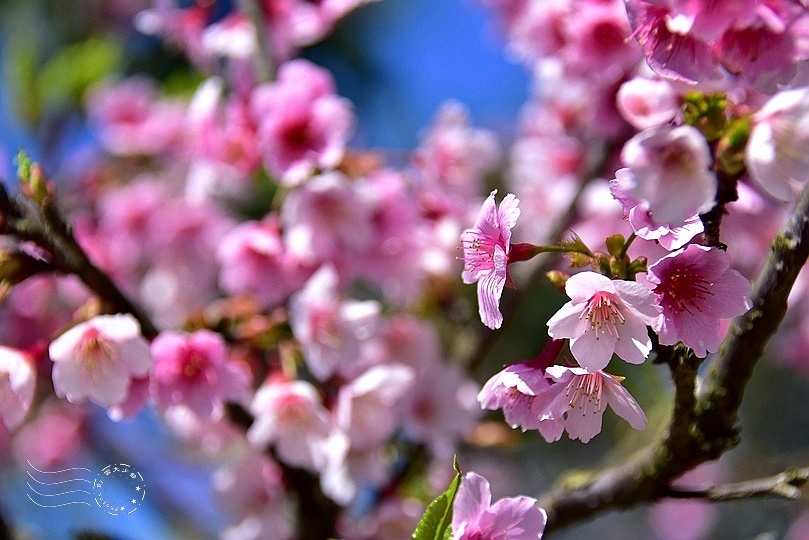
x,y
119,489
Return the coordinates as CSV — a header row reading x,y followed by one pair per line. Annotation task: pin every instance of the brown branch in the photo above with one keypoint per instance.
x,y
726,192
785,485
44,225
709,428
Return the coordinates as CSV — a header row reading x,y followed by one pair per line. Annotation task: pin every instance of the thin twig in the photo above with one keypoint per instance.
x,y
785,485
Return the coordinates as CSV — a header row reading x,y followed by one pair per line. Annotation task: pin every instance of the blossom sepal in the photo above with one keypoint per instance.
x,y
524,251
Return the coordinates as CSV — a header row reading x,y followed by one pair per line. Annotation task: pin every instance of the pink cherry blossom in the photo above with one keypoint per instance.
x,y
709,19
761,54
132,119
514,389
182,271
17,379
605,316
395,226
159,246
697,289
330,329
597,39
290,415
255,261
533,27
454,155
222,145
211,436
475,517
486,247
776,150
647,103
231,37
39,306
302,125
401,339
126,215
642,220
544,168
327,219
670,50
668,173
580,397
98,359
368,408
518,390
194,370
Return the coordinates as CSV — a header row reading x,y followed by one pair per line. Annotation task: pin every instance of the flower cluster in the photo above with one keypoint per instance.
x,y
292,306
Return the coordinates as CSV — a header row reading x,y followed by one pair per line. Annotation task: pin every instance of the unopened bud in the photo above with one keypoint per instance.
x,y
615,245
557,279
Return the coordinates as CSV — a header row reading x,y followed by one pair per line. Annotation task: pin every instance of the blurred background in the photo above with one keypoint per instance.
x,y
397,61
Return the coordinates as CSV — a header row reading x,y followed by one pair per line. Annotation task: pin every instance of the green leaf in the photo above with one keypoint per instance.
x,y
576,245
436,523
20,72
66,76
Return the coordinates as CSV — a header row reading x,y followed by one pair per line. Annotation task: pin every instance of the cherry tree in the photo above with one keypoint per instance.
x,y
297,309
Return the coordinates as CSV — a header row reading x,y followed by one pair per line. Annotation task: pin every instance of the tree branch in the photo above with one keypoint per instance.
x,y
709,429
785,485
44,225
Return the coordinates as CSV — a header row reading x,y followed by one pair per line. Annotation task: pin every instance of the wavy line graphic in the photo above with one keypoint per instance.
x,y
72,496
57,494
57,505
61,471
56,483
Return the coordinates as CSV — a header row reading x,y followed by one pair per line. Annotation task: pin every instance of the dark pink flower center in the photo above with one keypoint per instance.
x,y
297,136
608,34
193,364
683,291
603,313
